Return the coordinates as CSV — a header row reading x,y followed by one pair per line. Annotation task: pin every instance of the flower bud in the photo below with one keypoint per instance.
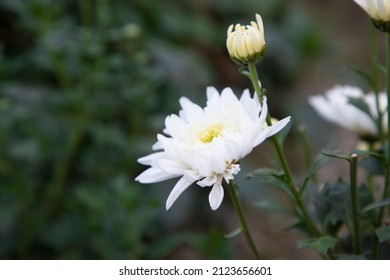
x,y
379,11
246,44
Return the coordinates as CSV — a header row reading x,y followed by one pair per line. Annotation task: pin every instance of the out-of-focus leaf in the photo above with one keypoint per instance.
x,y
321,245
336,154
234,233
270,206
361,105
383,233
332,203
377,204
366,77
271,176
373,165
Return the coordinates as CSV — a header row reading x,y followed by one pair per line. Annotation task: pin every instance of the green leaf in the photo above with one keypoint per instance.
x,y
331,203
274,177
281,135
270,205
234,233
335,154
321,245
373,166
361,105
377,204
245,72
265,172
380,66
318,163
366,77
296,225
383,233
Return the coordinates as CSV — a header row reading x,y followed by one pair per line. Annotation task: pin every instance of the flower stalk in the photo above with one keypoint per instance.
x,y
375,81
353,161
244,226
283,161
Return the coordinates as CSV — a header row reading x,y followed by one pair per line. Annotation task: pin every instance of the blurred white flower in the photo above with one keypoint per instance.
x,y
246,43
335,107
204,145
378,10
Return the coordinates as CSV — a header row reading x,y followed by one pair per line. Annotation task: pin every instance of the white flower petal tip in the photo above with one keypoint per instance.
x,y
203,145
379,11
216,195
334,106
177,190
246,44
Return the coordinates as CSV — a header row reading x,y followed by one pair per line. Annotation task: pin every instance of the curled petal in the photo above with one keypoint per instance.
x,y
177,190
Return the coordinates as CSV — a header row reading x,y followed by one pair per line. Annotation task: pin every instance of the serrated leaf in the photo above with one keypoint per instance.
x,y
282,135
383,233
321,245
234,233
377,204
331,203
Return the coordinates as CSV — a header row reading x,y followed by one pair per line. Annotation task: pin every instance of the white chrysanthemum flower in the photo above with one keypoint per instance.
x,y
204,145
335,107
246,43
378,10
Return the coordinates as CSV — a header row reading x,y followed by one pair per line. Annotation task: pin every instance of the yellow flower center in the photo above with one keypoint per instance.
x,y
207,135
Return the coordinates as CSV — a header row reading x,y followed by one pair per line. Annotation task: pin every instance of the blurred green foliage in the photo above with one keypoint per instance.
x,y
84,87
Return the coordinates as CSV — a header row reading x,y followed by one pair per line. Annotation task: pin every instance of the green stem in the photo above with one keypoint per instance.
x,y
305,146
244,225
375,79
283,161
255,81
388,98
355,203
387,179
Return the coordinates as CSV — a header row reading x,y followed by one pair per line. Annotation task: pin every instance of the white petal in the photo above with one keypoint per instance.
x,y
177,190
260,23
170,166
212,95
382,10
264,111
154,175
157,146
191,111
147,160
174,125
207,181
216,194
362,3
270,130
